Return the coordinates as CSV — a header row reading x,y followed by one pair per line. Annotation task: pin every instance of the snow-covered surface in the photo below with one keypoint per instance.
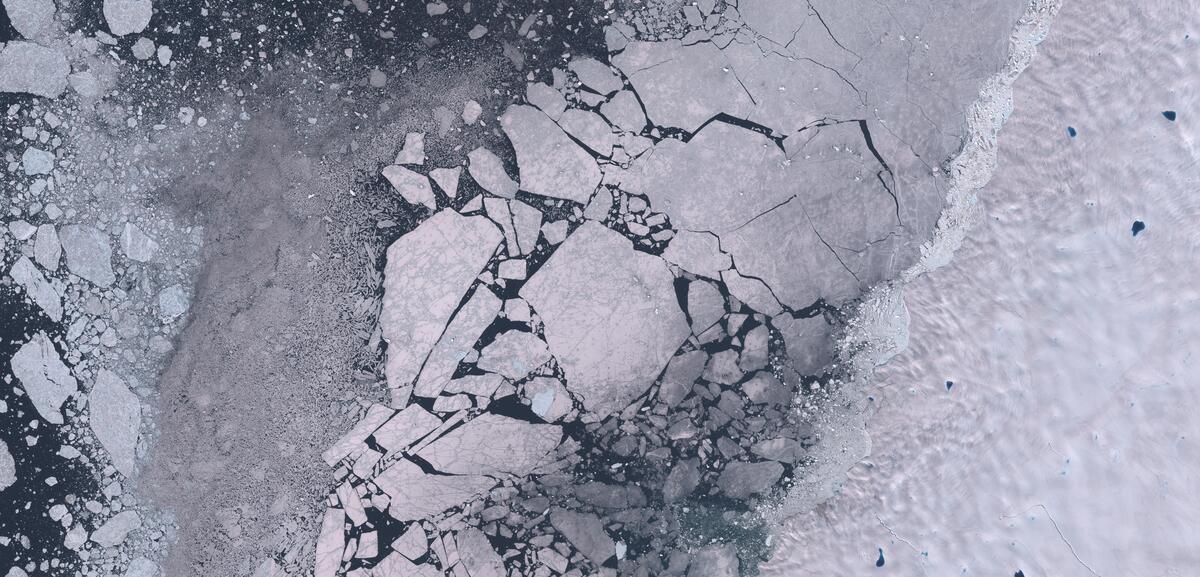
x,y
1067,443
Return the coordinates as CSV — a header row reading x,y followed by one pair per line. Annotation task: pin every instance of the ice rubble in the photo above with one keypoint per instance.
x,y
641,299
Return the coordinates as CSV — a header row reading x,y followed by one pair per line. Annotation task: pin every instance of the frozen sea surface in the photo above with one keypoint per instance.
x,y
1041,421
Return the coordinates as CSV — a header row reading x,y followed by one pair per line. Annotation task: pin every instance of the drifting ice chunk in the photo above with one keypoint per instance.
x,y
601,300
666,74
549,163
414,149
46,247
698,253
37,161
114,531
586,532
40,291
590,129
458,340
471,111
21,229
447,179
717,181
395,565
89,255
497,210
809,347
527,221
428,271
595,75
29,68
706,305
752,292
406,428
476,554
487,170
31,18
511,269
476,385
45,378
116,419
330,543
624,112
127,16
376,416
8,467
348,497
812,269
514,354
413,543
141,567
491,444
681,481
172,302
414,187
548,398
416,495
546,98
143,49
715,561
681,373
137,245
740,480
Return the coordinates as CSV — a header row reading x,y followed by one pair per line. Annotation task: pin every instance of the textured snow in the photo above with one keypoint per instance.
x,y
1064,337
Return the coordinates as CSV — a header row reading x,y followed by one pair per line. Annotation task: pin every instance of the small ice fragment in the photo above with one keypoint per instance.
x,y
471,111
37,161
127,16
414,149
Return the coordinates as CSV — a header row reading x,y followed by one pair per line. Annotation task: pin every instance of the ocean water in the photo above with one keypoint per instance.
x,y
1041,420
